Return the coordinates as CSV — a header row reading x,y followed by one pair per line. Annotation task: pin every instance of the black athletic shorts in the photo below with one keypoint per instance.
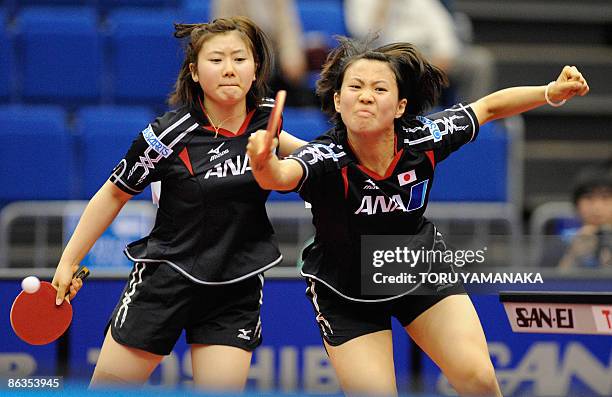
x,y
158,303
341,319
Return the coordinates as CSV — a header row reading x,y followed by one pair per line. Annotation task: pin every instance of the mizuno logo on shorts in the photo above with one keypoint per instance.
x,y
244,333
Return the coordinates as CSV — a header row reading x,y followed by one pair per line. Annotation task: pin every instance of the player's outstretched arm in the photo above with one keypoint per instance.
x,y
288,144
270,172
511,101
98,215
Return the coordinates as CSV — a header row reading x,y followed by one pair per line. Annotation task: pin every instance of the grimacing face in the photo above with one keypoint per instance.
x,y
225,69
368,100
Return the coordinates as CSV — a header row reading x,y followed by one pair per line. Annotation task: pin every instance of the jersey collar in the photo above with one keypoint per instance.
x,y
343,137
205,123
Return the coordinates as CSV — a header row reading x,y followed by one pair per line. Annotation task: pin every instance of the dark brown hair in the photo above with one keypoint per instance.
x,y
186,91
417,80
592,179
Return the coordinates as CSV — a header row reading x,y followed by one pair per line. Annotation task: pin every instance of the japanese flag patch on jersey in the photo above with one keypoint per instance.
x,y
406,177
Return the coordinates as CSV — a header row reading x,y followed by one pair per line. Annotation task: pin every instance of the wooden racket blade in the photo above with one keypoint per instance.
x,y
275,117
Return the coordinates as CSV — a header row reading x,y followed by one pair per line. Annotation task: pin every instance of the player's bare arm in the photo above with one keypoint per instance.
x,y
98,215
511,101
288,144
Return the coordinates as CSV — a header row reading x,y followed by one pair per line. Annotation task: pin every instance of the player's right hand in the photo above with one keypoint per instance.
x,y
64,282
569,83
260,148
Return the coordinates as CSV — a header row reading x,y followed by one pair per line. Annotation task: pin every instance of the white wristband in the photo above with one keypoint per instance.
x,y
548,101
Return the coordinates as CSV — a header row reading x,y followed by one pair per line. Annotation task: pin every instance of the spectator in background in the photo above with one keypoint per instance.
x,y
430,27
280,20
591,246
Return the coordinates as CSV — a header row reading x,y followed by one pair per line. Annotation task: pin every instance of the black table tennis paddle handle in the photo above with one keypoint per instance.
x,y
81,273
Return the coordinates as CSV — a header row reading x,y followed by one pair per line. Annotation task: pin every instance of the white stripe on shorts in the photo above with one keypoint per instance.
x,y
320,319
257,332
135,279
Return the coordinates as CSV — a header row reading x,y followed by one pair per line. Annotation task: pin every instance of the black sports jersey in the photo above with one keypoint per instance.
x,y
211,224
349,201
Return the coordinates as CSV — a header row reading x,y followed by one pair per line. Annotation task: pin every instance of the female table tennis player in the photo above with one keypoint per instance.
x,y
379,149
200,269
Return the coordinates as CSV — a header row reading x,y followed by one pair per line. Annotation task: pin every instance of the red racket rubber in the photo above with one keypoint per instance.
x,y
36,319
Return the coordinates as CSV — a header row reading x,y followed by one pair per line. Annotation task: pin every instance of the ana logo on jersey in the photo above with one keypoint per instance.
x,y
216,152
232,166
370,185
372,205
244,333
406,177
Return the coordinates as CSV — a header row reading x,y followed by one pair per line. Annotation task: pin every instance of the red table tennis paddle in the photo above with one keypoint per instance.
x,y
275,116
35,317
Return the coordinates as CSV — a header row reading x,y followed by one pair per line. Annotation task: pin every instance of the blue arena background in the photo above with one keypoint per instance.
x,y
76,88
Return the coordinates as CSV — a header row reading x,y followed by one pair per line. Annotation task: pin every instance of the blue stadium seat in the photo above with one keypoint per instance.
x,y
552,226
13,6
60,54
30,3
108,4
478,172
105,135
144,55
326,17
103,5
36,156
195,11
305,123
6,58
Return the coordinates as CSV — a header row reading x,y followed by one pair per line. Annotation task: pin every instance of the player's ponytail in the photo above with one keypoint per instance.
x,y
420,82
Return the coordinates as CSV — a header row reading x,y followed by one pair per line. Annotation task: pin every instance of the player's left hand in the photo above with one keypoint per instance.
x,y
569,84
